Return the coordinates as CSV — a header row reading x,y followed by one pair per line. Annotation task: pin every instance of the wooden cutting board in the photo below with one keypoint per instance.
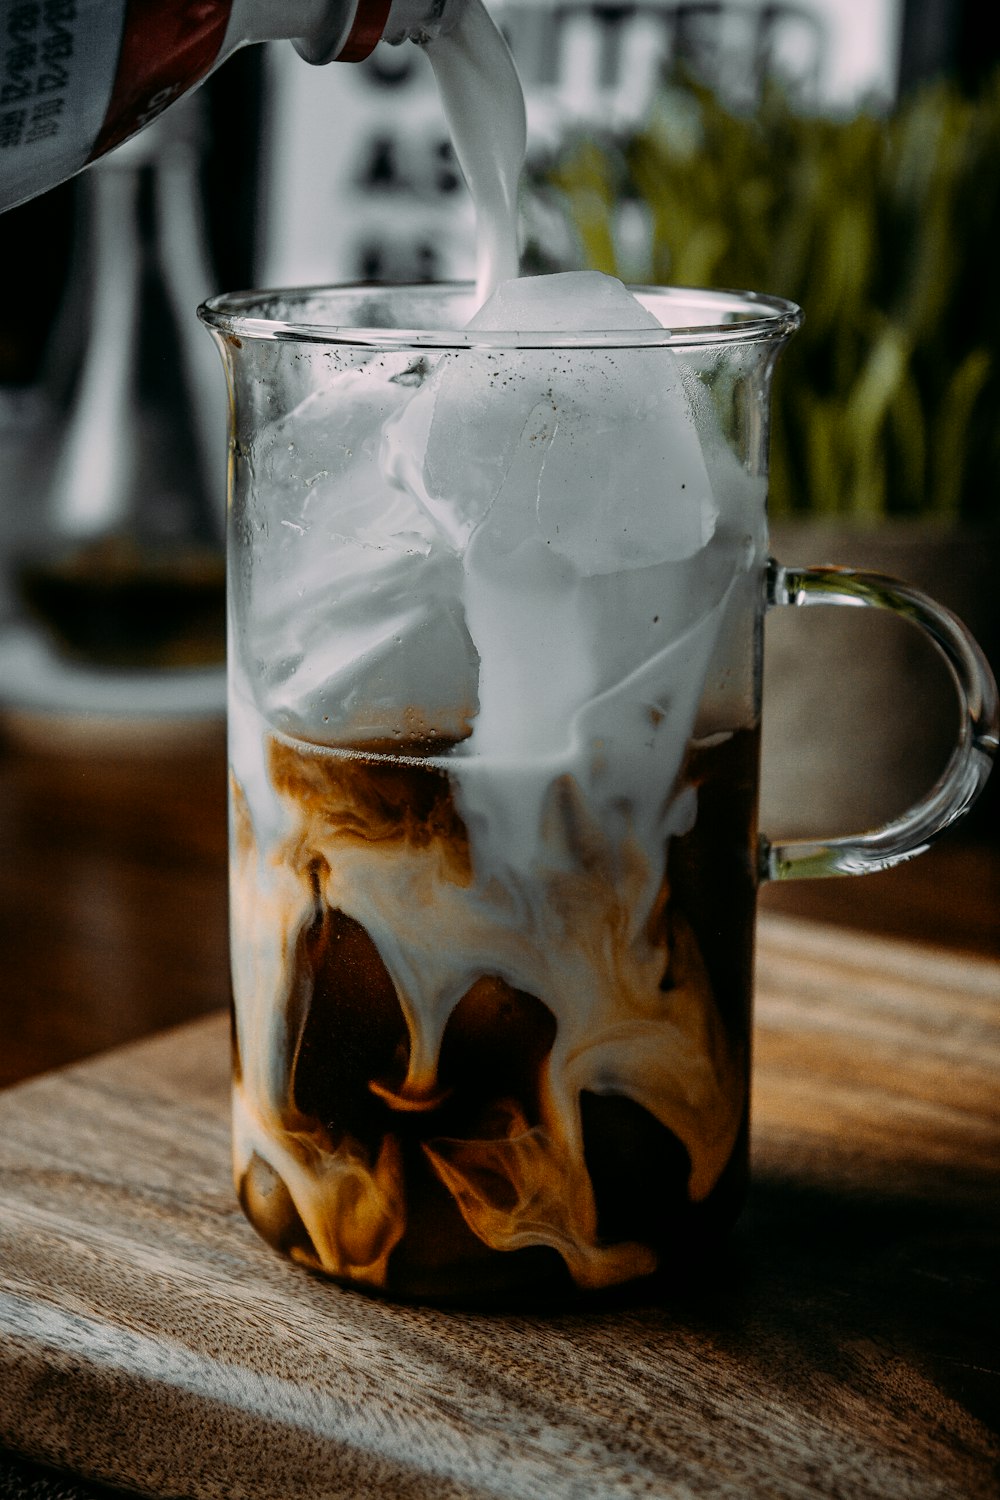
x,y
845,1345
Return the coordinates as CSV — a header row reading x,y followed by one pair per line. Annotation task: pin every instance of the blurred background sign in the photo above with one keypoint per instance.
x,y
357,174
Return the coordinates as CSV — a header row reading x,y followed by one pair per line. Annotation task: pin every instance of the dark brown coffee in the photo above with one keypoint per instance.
x,y
437,1129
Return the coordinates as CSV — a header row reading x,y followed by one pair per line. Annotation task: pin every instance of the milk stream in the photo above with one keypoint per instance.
x,y
586,526
484,107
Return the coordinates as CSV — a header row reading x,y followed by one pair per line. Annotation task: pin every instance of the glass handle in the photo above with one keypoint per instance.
x,y
965,774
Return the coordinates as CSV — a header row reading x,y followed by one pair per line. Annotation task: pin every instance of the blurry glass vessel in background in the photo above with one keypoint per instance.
x,y
120,567
128,567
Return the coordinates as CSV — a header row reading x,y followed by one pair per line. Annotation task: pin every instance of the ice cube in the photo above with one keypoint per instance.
x,y
396,666
453,475
601,440
368,642
567,302
355,608
622,482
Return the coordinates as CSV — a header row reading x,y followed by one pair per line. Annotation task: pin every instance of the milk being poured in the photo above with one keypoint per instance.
x,y
460,969
597,470
484,108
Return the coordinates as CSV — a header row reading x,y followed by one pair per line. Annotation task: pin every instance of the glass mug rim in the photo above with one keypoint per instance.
x,y
704,317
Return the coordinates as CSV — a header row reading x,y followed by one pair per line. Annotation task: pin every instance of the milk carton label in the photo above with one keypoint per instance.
x,y
77,77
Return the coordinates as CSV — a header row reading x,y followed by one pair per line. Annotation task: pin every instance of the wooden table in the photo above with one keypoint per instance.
x,y
844,1344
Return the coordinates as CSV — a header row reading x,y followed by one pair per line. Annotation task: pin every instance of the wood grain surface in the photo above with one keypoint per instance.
x,y
844,1343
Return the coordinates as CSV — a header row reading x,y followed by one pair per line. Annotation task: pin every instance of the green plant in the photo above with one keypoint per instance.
x,y
884,230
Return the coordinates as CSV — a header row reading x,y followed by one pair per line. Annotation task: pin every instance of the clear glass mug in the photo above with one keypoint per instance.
x,y
496,607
